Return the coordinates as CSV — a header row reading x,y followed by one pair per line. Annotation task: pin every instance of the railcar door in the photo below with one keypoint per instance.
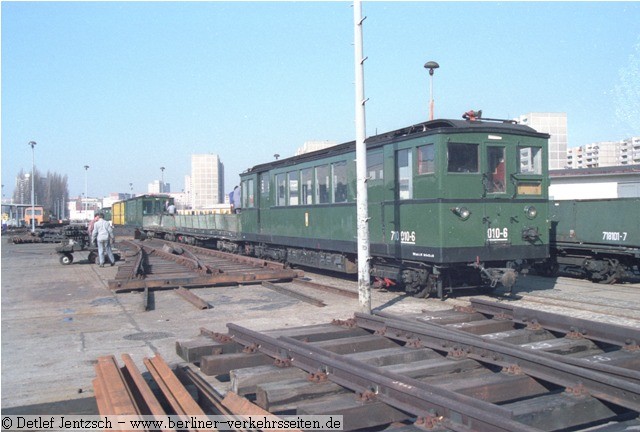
x,y
249,211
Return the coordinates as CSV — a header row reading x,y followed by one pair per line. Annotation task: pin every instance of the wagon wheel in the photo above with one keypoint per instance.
x,y
92,258
66,259
607,276
427,290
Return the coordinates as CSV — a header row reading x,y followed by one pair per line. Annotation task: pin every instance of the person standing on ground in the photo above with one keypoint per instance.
x,y
103,233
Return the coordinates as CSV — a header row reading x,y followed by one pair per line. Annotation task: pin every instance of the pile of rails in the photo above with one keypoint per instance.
x,y
53,235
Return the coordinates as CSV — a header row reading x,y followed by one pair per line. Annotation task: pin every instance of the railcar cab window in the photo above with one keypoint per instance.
x,y
306,183
426,159
294,190
530,160
281,189
463,158
495,176
405,174
339,175
322,184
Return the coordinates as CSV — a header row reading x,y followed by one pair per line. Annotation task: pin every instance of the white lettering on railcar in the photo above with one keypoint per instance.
x,y
614,236
408,237
498,233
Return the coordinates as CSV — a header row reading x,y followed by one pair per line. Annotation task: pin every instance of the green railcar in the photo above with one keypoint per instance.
x,y
452,204
598,239
130,212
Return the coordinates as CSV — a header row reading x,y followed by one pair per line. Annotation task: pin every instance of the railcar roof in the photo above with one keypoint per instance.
x,y
440,126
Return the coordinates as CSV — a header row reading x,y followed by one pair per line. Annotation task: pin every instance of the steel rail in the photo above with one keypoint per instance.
x,y
462,413
254,262
614,371
598,331
600,385
190,263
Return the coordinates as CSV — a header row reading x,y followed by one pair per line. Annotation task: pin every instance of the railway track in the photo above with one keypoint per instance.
x,y
488,367
157,264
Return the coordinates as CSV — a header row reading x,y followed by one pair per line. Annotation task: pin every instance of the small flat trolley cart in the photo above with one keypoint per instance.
x,y
76,239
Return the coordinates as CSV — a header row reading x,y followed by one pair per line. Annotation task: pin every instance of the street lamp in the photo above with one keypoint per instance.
x,y
33,190
86,191
162,180
431,65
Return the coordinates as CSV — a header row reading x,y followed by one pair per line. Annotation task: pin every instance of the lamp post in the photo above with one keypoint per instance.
x,y
161,179
86,191
431,65
33,190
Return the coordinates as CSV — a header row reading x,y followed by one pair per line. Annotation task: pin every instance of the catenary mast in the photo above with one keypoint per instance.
x,y
364,279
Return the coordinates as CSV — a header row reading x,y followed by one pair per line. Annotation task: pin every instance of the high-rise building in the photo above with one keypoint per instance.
x,y
605,154
158,187
207,181
555,124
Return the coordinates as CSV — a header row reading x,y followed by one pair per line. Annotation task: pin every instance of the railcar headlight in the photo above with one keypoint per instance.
x,y
462,212
531,212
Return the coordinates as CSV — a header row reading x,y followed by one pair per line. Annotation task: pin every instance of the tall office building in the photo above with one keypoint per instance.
x,y
207,181
555,124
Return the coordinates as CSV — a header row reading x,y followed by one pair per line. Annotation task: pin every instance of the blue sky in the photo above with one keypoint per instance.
x,y
129,87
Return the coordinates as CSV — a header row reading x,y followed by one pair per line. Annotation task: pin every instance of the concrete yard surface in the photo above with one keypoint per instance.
x,y
58,319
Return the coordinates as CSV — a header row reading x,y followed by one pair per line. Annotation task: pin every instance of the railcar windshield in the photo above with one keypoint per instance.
x,y
530,160
462,158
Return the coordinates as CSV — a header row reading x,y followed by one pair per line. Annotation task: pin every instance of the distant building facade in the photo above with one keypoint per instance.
x,y
207,181
158,187
555,124
605,154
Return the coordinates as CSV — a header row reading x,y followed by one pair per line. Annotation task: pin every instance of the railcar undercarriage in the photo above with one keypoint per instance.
x,y
602,267
418,279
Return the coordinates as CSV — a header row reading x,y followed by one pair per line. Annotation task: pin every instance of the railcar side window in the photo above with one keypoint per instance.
x,y
375,167
463,158
306,183
247,194
264,184
529,160
293,187
426,159
322,184
496,174
405,174
339,171
281,189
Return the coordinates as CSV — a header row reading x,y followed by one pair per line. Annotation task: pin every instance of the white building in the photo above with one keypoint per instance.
x,y
158,187
207,181
555,124
595,183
